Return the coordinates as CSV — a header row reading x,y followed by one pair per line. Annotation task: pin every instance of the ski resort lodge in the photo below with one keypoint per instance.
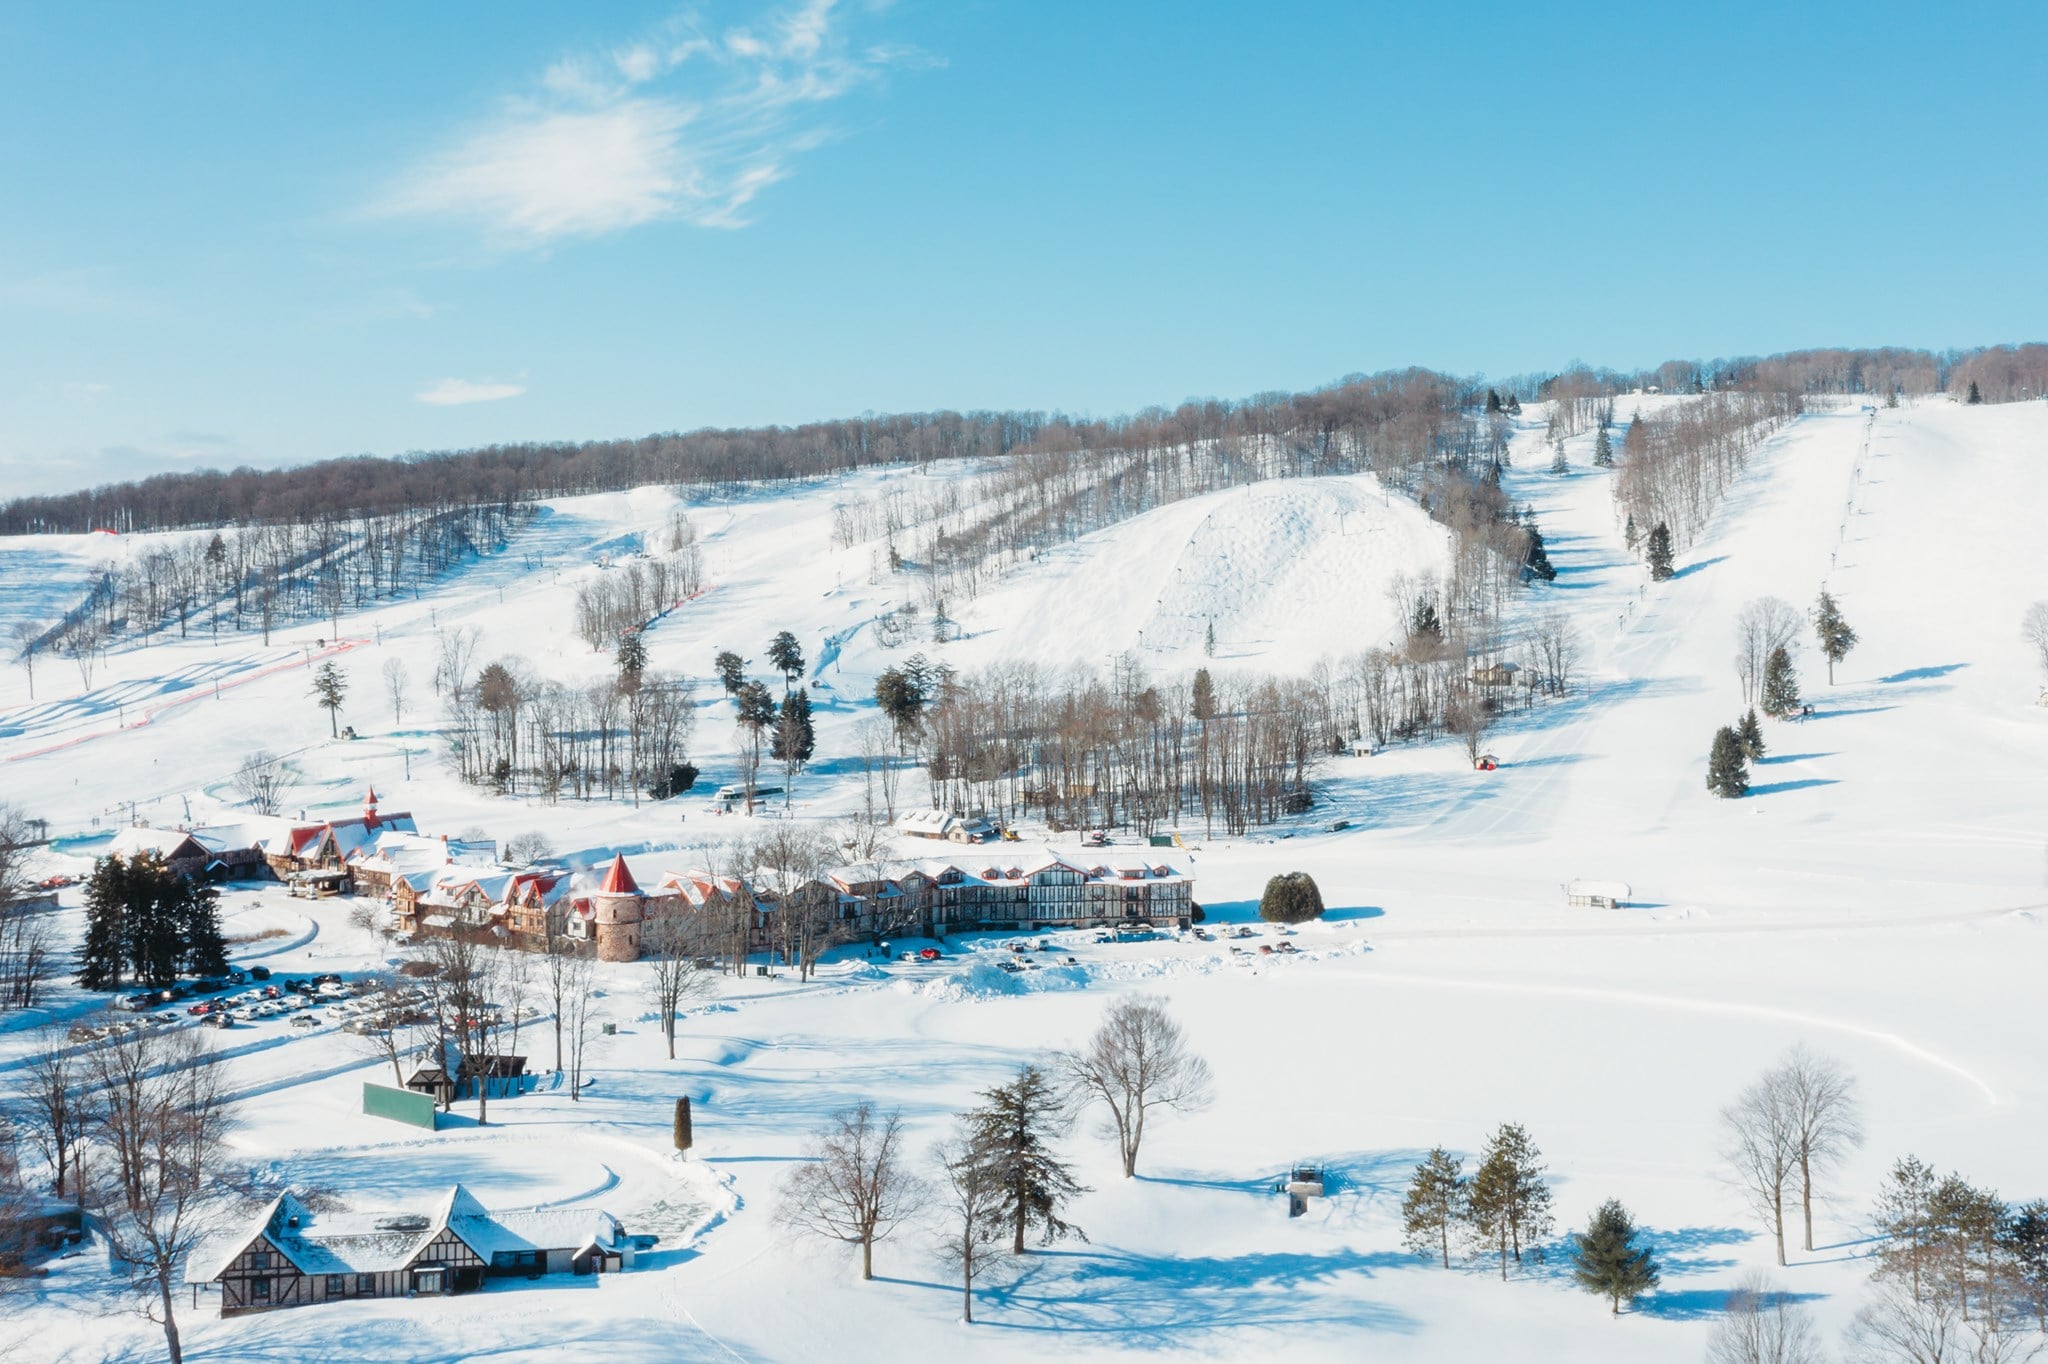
x,y
290,1256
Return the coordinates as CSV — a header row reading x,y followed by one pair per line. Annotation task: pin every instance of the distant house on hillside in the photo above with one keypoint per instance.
x,y
290,1256
946,824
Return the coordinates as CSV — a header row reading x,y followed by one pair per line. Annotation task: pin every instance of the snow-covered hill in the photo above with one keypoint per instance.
x,y
1880,896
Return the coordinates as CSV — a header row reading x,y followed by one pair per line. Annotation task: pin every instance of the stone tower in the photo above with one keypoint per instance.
x,y
616,910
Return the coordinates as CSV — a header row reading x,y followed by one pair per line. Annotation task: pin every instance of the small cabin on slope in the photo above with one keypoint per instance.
x,y
1596,894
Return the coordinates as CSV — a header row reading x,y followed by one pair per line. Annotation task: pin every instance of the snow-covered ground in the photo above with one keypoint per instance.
x,y
1879,896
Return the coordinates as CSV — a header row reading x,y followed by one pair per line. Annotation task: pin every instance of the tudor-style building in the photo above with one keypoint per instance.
x,y
293,1257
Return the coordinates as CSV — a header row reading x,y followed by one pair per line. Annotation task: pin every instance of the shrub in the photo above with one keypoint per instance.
x,y
1291,898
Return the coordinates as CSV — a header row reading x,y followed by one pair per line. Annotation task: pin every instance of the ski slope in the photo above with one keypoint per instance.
x,y
1881,896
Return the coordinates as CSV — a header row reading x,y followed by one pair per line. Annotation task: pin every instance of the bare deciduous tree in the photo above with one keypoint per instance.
x,y
1761,1146
1762,627
59,1109
2034,629
1761,1325
581,1021
262,780
162,1128
855,1186
1555,643
395,682
456,651
26,959
1826,1119
670,944
971,1197
1896,1327
1137,1061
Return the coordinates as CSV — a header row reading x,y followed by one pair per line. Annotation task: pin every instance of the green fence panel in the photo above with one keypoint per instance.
x,y
400,1105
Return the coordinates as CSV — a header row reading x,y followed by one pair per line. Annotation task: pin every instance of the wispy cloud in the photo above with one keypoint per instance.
x,y
689,122
458,392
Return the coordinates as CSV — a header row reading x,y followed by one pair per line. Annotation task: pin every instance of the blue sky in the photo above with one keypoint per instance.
x,y
260,233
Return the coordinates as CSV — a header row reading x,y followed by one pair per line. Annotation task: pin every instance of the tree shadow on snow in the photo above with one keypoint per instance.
x,y
1170,1302
1700,567
1779,788
1771,758
1922,674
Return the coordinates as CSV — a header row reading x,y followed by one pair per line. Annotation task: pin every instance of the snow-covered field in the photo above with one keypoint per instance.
x,y
1880,896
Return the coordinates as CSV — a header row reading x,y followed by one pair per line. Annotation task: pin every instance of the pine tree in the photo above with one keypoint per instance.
x,y
1537,559
195,912
1603,451
1751,736
1659,553
683,1137
1508,1205
942,624
103,959
330,685
630,656
1423,624
1010,1138
2024,1239
786,657
1905,1222
1837,638
1891,396
1492,402
1209,639
795,739
1975,396
1513,406
731,670
1727,773
1781,683
1202,696
1630,536
1558,463
1435,1203
1607,1261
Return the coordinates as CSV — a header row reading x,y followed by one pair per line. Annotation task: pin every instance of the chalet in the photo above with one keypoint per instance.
x,y
1497,674
1041,890
327,846
1597,894
291,1256
177,849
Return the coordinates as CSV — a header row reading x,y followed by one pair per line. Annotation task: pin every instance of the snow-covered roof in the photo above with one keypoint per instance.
x,y
138,840
1617,891
367,1243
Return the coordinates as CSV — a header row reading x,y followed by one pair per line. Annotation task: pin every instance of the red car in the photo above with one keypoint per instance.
x,y
57,882
201,1009
928,954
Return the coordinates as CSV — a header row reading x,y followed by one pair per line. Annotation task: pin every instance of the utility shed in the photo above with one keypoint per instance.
x,y
1596,894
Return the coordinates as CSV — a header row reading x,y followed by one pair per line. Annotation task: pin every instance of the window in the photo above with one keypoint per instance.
x,y
259,1259
515,1259
366,1285
259,1290
337,1285
426,1281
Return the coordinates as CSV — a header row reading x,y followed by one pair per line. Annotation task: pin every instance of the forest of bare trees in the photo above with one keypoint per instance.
x,y
515,732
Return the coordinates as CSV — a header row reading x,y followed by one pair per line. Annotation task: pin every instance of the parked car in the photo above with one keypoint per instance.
x,y
223,1019
57,882
1104,937
163,1020
1015,968
259,973
147,999
237,976
928,954
1265,949
201,1009
272,992
1286,947
305,1021
207,987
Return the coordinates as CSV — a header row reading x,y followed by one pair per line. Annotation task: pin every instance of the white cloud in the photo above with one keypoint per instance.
x,y
682,123
458,392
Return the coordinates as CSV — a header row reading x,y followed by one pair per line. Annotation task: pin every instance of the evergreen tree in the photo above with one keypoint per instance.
x,y
1492,402
1906,1223
1659,553
1781,683
1837,638
1434,1203
794,738
330,685
1209,639
1607,1260
1010,1138
1891,396
683,1138
942,624
1513,406
731,670
1508,1204
630,656
1727,773
786,657
1537,560
1630,536
901,697
1202,696
1291,898
1603,450
1751,736
1975,396
2024,1239
1423,623
1558,463
195,912
103,960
